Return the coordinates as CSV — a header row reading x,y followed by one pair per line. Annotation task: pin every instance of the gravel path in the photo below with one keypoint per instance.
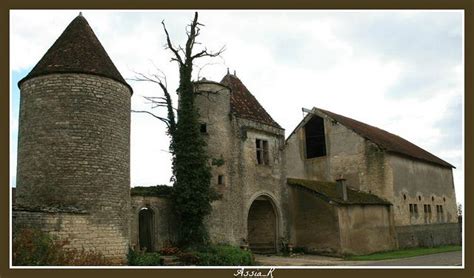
x,y
440,259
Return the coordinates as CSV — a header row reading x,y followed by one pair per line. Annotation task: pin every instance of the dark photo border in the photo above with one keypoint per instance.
x,y
7,5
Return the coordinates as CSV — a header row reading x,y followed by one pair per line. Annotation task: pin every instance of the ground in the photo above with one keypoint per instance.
x,y
440,259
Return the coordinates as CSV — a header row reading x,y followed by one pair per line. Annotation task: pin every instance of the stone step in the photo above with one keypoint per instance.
x,y
170,261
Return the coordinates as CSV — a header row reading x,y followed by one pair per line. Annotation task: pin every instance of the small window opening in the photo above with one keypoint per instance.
x,y
203,128
262,151
419,198
220,179
432,199
444,199
404,197
315,139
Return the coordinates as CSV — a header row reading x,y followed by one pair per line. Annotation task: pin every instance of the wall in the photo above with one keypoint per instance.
x,y
418,179
257,180
366,229
315,222
428,235
360,161
164,225
81,230
232,139
213,103
74,148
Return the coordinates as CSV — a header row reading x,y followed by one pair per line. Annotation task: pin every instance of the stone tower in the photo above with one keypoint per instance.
x,y
74,145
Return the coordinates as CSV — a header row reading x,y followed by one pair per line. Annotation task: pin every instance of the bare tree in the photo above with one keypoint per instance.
x,y
192,194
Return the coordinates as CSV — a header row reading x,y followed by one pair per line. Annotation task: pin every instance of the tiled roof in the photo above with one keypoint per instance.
x,y
386,140
327,191
244,104
77,50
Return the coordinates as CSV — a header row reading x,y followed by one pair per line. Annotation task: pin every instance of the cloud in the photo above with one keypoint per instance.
x,y
398,70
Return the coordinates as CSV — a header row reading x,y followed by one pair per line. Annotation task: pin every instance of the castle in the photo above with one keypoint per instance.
x,y
335,185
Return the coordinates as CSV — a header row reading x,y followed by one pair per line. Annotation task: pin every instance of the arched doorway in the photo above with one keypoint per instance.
x,y
262,226
146,229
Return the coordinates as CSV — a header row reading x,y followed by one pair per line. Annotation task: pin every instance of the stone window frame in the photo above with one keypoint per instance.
x,y
262,152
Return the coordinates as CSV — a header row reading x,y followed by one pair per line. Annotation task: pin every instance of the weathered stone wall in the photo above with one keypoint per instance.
x,y
164,222
366,229
428,235
74,149
213,103
231,143
315,223
256,180
422,184
348,154
82,231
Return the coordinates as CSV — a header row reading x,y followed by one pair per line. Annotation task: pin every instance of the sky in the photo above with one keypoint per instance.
x,y
402,71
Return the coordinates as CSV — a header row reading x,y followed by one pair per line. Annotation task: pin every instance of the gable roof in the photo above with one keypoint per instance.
x,y
327,191
244,104
77,50
386,140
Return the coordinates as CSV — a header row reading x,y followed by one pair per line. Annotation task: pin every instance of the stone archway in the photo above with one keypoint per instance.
x,y
146,229
262,226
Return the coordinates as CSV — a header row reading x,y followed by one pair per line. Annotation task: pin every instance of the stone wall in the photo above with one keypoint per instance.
x,y
421,183
231,140
315,223
428,235
366,229
81,230
164,225
358,160
74,149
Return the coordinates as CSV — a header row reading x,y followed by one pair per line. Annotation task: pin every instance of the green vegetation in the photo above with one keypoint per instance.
x,y
404,253
154,191
217,255
35,248
140,258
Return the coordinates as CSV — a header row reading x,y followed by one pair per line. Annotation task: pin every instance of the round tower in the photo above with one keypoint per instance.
x,y
74,140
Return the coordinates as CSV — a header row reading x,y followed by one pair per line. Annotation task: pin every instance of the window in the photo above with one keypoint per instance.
x,y
314,135
427,211
413,210
404,197
220,180
439,213
203,128
262,151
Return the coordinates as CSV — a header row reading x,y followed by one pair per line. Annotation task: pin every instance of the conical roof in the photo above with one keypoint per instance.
x,y
77,50
244,104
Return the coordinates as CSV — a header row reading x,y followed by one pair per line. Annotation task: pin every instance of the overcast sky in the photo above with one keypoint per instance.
x,y
401,71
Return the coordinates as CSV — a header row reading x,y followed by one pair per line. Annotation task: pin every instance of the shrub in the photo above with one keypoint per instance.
x,y
220,255
140,258
34,248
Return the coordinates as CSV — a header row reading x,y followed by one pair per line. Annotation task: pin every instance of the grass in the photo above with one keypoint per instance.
x,y
405,253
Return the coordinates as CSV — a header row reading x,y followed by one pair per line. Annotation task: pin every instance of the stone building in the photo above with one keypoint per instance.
x,y
73,174
246,149
335,185
326,146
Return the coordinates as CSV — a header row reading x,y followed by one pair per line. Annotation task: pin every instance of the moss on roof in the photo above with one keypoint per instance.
x,y
151,191
327,190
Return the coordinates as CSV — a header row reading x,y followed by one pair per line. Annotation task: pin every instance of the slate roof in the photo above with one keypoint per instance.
x,y
327,191
244,104
77,50
386,140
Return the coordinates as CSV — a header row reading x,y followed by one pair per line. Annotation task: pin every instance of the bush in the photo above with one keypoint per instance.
x,y
140,258
35,248
218,255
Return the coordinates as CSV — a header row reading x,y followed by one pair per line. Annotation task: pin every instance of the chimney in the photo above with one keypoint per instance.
x,y
341,188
